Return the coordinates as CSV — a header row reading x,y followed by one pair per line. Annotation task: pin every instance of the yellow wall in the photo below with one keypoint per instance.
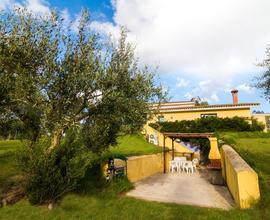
x,y
263,119
168,142
214,152
241,179
140,167
191,115
143,166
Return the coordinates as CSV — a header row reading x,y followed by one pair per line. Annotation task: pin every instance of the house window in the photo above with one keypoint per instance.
x,y
209,115
161,118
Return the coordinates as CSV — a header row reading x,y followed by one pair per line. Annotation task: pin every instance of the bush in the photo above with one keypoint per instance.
x,y
204,125
256,126
210,124
49,176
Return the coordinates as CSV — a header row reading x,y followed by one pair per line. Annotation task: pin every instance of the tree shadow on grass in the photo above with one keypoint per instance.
x,y
94,183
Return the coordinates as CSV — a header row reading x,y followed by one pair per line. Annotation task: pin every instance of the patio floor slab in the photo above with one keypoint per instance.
x,y
189,189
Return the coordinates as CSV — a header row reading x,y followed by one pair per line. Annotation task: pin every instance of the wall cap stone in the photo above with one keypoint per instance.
x,y
142,156
239,164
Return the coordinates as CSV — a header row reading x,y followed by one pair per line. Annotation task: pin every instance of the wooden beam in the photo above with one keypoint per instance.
x,y
188,135
172,148
164,155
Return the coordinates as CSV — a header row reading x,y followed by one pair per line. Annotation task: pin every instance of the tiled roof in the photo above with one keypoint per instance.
x,y
179,104
174,102
207,107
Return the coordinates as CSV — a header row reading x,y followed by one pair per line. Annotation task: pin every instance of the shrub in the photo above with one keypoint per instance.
x,y
49,176
256,126
204,125
210,124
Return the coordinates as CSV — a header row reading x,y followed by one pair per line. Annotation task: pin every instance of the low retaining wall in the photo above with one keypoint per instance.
x,y
140,167
241,179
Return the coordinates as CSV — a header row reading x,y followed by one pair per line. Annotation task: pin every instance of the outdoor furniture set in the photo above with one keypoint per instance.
x,y
180,164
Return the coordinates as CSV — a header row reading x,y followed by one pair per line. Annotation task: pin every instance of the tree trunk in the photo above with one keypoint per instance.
x,y
56,138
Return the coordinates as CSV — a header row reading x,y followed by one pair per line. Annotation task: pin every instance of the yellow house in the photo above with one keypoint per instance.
x,y
190,110
241,179
174,111
264,118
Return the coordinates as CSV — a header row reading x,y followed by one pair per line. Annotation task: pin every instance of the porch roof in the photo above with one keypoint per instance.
x,y
187,135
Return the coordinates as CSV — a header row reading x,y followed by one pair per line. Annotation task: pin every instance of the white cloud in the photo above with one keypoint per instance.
x,y
214,97
41,7
211,41
245,88
5,4
36,6
65,15
180,82
205,39
106,28
208,90
189,95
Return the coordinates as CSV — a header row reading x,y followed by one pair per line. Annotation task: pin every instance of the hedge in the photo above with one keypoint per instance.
x,y
211,124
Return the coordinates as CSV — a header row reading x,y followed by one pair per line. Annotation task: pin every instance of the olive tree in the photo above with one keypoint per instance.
x,y
263,81
71,86
53,78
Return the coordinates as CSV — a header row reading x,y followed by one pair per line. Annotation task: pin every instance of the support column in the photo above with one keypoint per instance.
x,y
214,154
164,155
172,148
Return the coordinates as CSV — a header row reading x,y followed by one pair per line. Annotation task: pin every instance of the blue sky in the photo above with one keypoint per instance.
x,y
202,48
101,9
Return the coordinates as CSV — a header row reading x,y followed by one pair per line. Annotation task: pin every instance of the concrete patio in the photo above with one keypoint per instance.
x,y
190,189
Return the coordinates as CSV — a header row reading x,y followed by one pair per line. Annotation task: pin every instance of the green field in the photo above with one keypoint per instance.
x,y
9,174
134,145
107,202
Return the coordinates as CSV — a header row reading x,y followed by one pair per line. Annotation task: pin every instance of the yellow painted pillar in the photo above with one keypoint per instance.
x,y
214,154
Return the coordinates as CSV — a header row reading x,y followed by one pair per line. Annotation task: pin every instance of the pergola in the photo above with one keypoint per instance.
x,y
214,154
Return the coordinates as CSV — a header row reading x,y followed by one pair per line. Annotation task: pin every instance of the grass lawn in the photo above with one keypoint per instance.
x,y
255,149
8,170
134,145
107,202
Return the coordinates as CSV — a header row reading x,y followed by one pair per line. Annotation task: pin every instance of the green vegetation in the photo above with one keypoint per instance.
x,y
263,80
128,145
97,200
110,205
254,147
55,81
9,174
204,125
133,145
50,176
210,124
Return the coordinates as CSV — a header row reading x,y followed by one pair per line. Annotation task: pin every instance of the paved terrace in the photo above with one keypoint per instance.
x,y
189,189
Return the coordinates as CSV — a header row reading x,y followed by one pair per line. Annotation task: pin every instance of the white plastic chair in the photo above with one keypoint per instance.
x,y
188,166
180,164
173,166
180,158
180,161
195,162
